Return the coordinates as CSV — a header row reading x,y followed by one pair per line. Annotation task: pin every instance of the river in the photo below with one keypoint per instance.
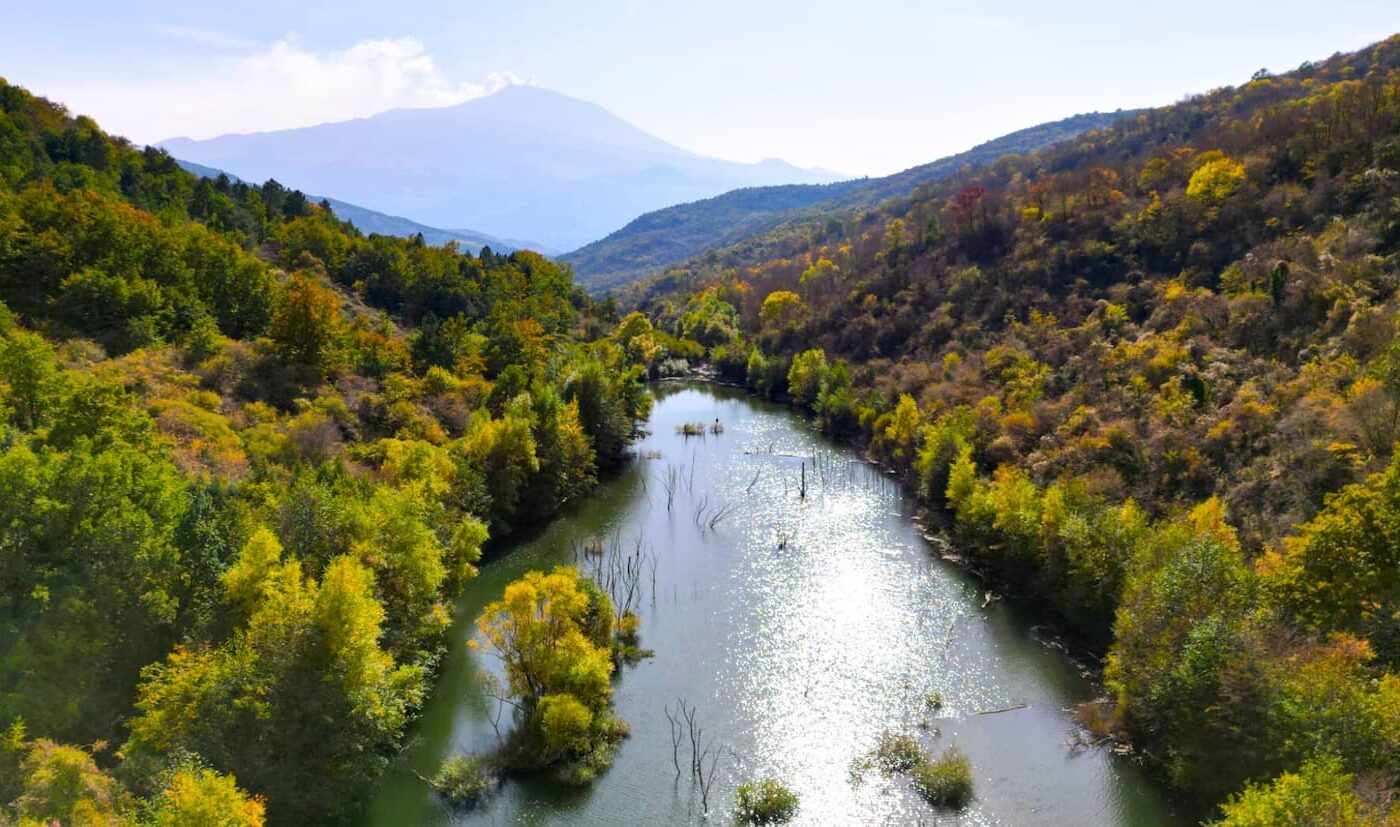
x,y
801,628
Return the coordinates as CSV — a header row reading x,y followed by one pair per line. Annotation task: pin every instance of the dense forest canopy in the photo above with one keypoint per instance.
x,y
248,456
1150,375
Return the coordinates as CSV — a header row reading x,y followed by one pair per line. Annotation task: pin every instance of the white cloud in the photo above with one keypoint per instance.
x,y
275,87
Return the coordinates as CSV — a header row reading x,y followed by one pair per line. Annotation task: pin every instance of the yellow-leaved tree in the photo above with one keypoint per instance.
x,y
204,798
553,634
1215,179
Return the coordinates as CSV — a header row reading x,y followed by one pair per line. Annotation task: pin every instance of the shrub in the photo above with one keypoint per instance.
x,y
765,802
945,781
897,752
463,779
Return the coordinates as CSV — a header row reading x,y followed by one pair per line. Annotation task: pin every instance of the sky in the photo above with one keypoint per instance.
x,y
863,87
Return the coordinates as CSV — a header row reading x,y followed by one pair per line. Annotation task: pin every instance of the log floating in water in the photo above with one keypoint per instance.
x,y
1004,709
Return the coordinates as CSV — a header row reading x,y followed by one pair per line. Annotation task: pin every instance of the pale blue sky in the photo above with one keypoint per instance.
x,y
863,87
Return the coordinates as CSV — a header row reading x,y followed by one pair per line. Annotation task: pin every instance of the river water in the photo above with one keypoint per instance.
x,y
801,628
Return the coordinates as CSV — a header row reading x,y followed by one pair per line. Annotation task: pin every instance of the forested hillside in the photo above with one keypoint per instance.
x,y
1150,377
248,455
667,237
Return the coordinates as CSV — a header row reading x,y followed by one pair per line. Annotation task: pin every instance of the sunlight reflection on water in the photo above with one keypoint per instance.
x,y
802,628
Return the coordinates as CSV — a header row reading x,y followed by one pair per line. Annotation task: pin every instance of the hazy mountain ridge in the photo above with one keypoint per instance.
x,y
370,222
522,163
668,236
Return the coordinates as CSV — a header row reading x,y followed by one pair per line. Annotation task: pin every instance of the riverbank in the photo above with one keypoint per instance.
x,y
802,628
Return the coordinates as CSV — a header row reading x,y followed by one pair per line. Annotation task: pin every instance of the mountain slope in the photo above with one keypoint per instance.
x,y
668,236
1151,377
248,457
368,221
522,163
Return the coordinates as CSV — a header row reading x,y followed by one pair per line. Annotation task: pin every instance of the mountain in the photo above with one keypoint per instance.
x,y
1149,377
368,221
668,236
524,162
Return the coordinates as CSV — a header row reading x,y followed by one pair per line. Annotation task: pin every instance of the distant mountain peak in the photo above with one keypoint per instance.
x,y
523,162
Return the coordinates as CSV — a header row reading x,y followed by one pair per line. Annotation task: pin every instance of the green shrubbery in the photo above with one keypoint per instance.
x,y
945,781
464,779
896,752
764,802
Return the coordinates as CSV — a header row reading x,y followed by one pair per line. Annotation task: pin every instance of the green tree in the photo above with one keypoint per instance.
x,y
503,452
1341,571
1179,632
304,676
309,328
28,377
806,375
63,785
608,407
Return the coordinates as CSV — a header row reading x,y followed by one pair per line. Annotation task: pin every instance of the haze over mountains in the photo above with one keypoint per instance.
x,y
371,221
524,162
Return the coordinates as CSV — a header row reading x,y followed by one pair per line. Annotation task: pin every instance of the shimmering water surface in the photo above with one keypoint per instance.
x,y
801,628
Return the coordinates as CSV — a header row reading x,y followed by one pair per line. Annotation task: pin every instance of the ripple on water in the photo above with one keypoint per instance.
x,y
802,629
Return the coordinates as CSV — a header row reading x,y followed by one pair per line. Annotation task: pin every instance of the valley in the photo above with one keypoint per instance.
x,y
1052,481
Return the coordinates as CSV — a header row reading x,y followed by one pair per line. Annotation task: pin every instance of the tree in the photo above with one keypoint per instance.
x,y
836,405
943,443
708,319
1341,571
806,375
1317,795
63,785
308,327
204,798
1180,630
115,309
28,377
553,635
566,456
409,562
781,309
1215,180
503,452
304,676
91,580
449,344
901,434
606,409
